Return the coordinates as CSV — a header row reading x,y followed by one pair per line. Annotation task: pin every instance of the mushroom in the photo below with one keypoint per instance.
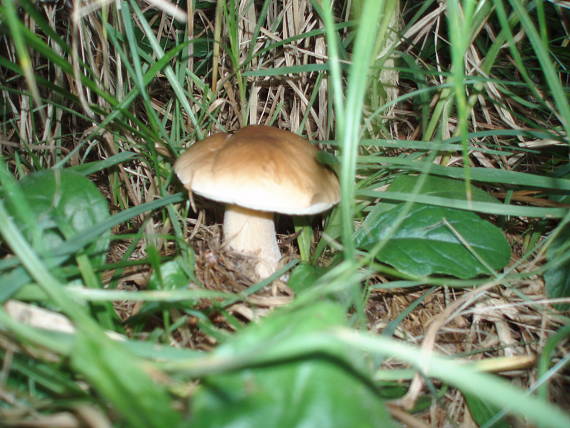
x,y
257,171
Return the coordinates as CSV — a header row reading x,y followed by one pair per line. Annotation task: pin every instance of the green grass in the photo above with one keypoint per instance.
x,y
117,94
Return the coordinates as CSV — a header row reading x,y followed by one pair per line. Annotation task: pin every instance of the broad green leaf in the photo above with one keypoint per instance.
x,y
433,186
172,276
557,278
315,391
437,240
65,202
439,186
304,275
11,282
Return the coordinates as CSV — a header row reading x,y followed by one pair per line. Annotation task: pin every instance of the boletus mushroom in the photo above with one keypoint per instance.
x,y
257,171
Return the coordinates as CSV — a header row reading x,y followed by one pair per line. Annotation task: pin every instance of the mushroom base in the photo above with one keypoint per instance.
x,y
252,233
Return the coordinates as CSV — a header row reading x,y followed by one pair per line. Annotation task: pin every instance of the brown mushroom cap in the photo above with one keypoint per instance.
x,y
261,168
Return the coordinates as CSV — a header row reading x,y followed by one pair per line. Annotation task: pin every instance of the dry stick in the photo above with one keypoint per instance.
x,y
217,43
28,146
199,221
322,124
231,96
422,27
76,22
408,401
169,8
249,20
90,36
49,135
190,24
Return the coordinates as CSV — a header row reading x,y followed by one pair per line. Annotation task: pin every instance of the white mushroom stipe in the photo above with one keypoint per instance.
x,y
257,171
253,232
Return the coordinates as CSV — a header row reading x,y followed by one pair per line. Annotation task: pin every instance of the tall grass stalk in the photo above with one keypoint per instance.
x,y
348,128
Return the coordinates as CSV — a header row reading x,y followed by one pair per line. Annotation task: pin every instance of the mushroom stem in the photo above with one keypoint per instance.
x,y
253,232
